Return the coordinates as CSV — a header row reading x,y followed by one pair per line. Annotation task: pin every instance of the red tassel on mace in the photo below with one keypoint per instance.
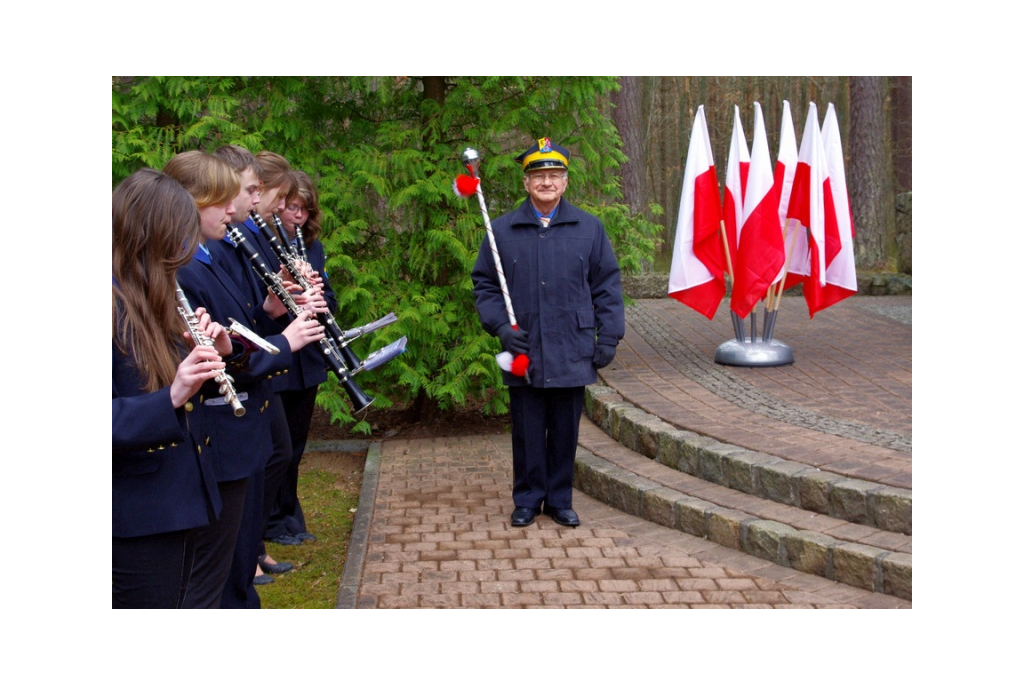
x,y
465,186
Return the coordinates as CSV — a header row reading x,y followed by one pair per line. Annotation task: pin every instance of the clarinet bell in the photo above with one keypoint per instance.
x,y
360,400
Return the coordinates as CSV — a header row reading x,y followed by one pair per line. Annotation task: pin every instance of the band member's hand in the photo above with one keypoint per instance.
x,y
312,277
273,306
314,301
201,364
213,331
303,330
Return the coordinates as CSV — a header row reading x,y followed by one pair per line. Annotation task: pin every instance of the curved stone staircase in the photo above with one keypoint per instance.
x,y
823,522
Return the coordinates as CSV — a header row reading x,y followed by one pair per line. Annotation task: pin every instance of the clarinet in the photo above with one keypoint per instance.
x,y
300,244
293,250
224,381
335,358
326,320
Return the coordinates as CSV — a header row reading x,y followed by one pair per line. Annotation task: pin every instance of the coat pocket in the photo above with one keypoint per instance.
x,y
137,464
585,334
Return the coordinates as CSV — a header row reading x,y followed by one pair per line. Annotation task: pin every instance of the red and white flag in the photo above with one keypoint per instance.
x,y
697,277
760,255
736,170
795,238
841,273
812,206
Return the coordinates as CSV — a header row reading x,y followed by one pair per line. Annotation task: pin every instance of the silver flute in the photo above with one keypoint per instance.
x,y
224,381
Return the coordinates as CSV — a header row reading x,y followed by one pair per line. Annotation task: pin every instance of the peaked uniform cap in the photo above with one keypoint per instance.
x,y
544,155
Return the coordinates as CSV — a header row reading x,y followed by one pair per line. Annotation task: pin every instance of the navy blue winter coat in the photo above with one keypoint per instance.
x,y
565,287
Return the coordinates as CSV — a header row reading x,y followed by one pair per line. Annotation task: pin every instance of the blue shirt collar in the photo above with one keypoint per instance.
x,y
203,254
550,216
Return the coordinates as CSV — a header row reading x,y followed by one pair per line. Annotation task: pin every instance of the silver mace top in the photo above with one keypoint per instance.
x,y
471,159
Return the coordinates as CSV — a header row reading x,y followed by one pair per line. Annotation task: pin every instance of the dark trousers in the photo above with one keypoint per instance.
x,y
153,571
287,517
276,471
545,430
239,592
215,546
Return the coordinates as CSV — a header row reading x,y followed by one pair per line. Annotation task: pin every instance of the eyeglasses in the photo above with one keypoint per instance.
x,y
295,209
543,178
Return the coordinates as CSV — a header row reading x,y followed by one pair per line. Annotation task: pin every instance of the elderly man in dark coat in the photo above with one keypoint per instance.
x,y
566,292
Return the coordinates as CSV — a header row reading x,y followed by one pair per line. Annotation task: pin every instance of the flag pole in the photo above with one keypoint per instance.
x,y
770,319
785,268
737,322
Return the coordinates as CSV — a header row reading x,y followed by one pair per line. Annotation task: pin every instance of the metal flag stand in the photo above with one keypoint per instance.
x,y
754,351
763,351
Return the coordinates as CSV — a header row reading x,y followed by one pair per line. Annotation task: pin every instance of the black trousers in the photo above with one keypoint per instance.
x,y
545,429
215,547
287,517
153,571
276,472
238,591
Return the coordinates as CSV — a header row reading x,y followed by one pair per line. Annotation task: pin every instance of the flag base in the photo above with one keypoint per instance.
x,y
753,353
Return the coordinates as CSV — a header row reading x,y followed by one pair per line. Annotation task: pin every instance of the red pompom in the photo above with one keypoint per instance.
x,y
519,365
465,186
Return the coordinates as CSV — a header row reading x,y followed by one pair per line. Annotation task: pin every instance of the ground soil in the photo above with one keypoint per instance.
x,y
400,423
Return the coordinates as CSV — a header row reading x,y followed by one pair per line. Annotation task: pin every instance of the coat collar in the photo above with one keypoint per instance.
x,y
566,214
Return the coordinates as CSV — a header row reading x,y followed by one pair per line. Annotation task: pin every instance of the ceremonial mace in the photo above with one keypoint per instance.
x,y
465,186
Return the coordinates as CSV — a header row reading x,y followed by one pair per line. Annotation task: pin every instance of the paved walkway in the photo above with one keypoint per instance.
x,y
433,528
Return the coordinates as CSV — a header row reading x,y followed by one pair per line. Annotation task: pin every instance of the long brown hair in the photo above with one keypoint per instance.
x,y
155,231
304,189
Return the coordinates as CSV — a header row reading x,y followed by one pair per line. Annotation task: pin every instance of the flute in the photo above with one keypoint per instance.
x,y
224,381
335,358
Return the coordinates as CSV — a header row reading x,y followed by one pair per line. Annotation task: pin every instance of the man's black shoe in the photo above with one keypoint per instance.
x,y
564,517
523,516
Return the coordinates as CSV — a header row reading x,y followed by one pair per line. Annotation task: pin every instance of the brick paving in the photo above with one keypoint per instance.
x,y
433,527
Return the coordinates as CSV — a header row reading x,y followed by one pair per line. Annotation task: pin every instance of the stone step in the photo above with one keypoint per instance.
x,y
705,503
813,489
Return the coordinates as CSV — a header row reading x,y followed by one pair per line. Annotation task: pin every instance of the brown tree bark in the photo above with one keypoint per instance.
x,y
434,88
865,171
629,119
902,133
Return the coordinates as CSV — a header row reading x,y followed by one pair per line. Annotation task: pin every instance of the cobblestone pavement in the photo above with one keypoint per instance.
x,y
844,404
433,523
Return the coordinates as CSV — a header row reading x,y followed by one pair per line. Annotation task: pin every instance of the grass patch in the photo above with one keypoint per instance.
x,y
329,491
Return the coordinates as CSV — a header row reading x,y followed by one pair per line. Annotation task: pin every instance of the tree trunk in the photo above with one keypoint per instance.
x,y
434,88
902,133
629,118
866,170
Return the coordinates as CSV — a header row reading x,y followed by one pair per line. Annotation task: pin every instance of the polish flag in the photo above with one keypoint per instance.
x,y
811,205
760,254
697,277
736,170
785,169
840,274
